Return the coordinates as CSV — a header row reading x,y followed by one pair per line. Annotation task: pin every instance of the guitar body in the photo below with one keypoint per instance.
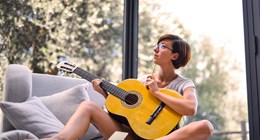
x,y
137,114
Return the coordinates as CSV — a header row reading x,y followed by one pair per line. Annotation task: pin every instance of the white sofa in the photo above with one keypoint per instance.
x,y
24,88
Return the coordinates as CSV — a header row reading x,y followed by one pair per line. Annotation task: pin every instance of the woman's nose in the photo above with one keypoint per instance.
x,y
156,49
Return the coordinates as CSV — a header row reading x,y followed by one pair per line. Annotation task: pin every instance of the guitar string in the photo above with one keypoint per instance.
x,y
152,77
132,99
88,76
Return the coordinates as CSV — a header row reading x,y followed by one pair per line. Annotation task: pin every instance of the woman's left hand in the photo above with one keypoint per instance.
x,y
152,85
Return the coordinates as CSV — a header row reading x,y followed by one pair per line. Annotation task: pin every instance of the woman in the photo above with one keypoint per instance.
x,y
170,53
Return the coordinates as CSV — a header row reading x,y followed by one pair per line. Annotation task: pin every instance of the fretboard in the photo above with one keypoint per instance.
x,y
112,89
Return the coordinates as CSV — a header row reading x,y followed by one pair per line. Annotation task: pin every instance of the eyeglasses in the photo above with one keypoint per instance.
x,y
161,46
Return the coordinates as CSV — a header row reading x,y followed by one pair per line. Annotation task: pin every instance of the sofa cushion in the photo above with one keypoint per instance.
x,y
33,116
17,135
65,103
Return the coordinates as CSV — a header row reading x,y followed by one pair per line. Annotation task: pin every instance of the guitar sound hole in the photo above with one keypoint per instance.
x,y
131,99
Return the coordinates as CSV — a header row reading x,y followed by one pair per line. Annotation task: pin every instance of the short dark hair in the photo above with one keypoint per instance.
x,y
178,46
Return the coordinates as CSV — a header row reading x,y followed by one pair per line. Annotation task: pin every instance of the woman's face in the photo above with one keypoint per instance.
x,y
163,52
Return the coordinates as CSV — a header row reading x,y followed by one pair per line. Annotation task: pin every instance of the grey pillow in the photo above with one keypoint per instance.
x,y
17,135
65,103
33,116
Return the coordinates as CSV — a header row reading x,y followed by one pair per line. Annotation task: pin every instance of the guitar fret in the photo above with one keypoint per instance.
x,y
123,93
84,74
118,92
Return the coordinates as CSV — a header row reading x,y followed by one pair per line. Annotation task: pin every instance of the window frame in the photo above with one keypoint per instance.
x,y
130,39
251,16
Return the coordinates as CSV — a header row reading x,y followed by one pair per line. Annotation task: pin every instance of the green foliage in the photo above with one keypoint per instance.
x,y
19,34
211,74
3,64
39,33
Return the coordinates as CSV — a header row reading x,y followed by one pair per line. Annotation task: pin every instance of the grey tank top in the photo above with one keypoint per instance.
x,y
178,84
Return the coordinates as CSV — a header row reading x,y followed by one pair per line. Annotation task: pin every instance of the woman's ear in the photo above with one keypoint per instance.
x,y
175,56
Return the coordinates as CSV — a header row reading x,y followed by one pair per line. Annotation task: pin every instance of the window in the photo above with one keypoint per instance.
x,y
215,32
86,33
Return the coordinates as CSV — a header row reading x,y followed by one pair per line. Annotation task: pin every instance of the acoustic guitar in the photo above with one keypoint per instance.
x,y
130,99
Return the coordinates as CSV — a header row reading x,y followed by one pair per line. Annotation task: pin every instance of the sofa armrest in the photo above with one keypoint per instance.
x,y
17,88
17,83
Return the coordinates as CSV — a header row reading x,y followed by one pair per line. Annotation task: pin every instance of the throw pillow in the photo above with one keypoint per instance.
x,y
65,103
18,135
33,116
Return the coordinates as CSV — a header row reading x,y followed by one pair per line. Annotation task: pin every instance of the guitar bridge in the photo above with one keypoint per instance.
x,y
155,113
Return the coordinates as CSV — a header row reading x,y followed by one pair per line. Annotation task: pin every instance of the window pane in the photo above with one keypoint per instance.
x,y
215,32
39,34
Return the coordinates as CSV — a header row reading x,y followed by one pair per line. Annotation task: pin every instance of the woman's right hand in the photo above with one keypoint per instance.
x,y
96,85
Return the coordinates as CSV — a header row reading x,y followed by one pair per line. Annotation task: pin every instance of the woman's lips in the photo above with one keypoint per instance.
x,y
155,56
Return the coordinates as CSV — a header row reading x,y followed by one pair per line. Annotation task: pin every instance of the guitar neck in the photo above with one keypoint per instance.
x,y
112,89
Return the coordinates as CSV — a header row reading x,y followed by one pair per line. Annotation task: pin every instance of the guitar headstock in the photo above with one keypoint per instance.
x,y
67,67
